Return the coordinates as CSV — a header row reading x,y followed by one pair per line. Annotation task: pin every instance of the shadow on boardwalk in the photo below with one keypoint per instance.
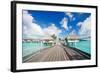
x,y
57,53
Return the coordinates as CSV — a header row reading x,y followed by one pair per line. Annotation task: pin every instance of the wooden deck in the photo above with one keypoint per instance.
x,y
57,53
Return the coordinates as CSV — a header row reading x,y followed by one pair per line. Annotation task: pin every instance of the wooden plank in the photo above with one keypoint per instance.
x,y
56,53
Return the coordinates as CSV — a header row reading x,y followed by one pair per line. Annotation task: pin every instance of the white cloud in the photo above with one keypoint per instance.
x,y
79,24
85,29
33,30
69,14
27,18
29,25
64,23
73,32
36,29
52,29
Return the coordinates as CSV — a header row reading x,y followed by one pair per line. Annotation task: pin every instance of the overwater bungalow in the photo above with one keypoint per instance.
x,y
43,40
72,40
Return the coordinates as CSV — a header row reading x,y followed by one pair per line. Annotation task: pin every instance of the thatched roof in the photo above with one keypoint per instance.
x,y
42,38
72,37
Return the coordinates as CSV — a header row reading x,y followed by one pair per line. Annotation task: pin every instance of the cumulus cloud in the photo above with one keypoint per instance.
x,y
52,29
73,32
29,25
27,18
79,24
33,30
69,14
85,29
64,23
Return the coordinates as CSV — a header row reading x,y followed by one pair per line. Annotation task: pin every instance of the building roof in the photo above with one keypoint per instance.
x,y
72,37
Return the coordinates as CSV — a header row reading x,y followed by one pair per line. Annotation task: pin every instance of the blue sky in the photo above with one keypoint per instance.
x,y
64,22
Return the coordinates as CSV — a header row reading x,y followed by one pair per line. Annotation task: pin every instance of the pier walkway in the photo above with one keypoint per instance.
x,y
57,53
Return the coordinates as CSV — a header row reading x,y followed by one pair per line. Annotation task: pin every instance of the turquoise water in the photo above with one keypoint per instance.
x,y
83,46
31,47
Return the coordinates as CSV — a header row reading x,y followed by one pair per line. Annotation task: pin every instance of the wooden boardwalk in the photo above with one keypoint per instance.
x,y
57,53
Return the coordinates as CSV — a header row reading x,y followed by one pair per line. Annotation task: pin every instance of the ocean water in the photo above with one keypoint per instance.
x,y
84,45
31,47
